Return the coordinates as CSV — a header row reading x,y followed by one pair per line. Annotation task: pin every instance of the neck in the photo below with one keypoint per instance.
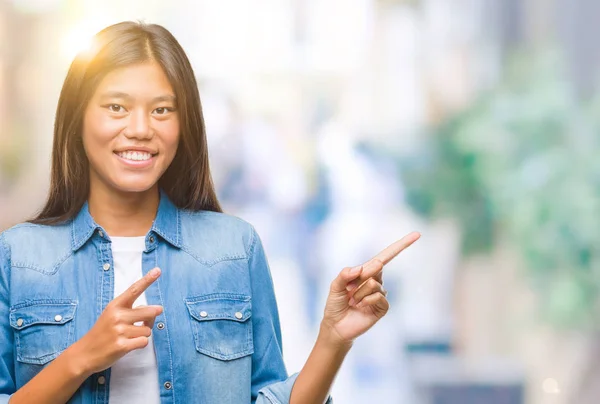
x,y
124,214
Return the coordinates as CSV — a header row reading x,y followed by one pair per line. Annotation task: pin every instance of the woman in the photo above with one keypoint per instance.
x,y
131,194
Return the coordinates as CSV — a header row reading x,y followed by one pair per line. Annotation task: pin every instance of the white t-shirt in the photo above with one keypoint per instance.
x,y
134,377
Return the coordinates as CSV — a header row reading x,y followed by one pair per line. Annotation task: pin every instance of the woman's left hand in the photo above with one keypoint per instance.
x,y
357,299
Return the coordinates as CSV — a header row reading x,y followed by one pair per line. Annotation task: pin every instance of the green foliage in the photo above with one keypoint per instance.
x,y
523,162
12,154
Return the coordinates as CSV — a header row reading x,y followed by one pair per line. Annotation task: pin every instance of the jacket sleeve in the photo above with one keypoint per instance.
x,y
270,381
7,369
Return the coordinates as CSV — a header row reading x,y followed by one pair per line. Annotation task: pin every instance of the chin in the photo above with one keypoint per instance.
x,y
135,186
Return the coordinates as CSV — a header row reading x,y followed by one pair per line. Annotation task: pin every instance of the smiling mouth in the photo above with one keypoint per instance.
x,y
135,155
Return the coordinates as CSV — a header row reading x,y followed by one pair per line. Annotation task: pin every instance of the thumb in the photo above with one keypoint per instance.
x,y
346,276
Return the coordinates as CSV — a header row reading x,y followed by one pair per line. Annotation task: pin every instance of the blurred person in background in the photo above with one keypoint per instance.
x,y
86,315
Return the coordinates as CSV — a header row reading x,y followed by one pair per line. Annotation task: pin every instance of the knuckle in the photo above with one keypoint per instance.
x,y
110,311
120,329
115,316
121,345
119,316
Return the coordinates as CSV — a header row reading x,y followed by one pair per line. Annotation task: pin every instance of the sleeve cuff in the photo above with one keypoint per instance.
x,y
280,392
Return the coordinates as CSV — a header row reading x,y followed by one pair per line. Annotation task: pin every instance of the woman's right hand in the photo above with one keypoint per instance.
x,y
114,333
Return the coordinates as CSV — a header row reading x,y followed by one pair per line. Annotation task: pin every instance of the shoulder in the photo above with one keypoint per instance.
x,y
36,246
217,236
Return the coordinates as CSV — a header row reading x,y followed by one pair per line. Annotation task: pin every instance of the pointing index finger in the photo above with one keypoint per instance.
x,y
397,247
129,297
374,267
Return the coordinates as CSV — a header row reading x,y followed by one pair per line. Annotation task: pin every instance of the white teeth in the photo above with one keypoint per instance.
x,y
135,156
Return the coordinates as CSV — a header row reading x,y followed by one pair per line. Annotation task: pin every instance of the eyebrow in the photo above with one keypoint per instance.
x,y
125,96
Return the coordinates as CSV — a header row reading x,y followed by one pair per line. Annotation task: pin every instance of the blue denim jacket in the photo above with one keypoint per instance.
x,y
56,280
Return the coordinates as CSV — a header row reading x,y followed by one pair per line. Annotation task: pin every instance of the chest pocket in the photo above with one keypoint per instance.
x,y
221,325
43,329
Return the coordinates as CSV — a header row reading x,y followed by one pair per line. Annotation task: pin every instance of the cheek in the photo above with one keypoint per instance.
x,y
171,138
99,129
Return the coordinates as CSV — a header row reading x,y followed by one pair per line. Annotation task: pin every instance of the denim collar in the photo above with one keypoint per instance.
x,y
167,224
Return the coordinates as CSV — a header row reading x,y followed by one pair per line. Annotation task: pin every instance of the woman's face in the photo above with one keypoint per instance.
x,y
131,128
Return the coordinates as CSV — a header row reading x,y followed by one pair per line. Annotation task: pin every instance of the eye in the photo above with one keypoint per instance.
x,y
163,110
115,108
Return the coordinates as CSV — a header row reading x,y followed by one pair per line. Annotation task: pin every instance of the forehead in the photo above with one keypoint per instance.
x,y
138,80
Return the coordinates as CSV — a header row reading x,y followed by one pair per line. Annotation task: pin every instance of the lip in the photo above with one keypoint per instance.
x,y
136,164
136,149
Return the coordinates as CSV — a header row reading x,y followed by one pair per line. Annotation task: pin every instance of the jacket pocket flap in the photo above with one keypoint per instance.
x,y
42,312
220,306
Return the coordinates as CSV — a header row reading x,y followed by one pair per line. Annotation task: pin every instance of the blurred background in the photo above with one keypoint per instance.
x,y
336,127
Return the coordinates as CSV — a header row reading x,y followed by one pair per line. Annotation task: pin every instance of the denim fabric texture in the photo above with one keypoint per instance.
x,y
218,340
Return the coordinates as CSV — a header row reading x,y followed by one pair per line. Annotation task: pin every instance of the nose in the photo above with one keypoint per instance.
x,y
138,126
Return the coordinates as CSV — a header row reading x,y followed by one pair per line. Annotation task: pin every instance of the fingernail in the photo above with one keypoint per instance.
x,y
356,270
350,287
154,272
352,301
